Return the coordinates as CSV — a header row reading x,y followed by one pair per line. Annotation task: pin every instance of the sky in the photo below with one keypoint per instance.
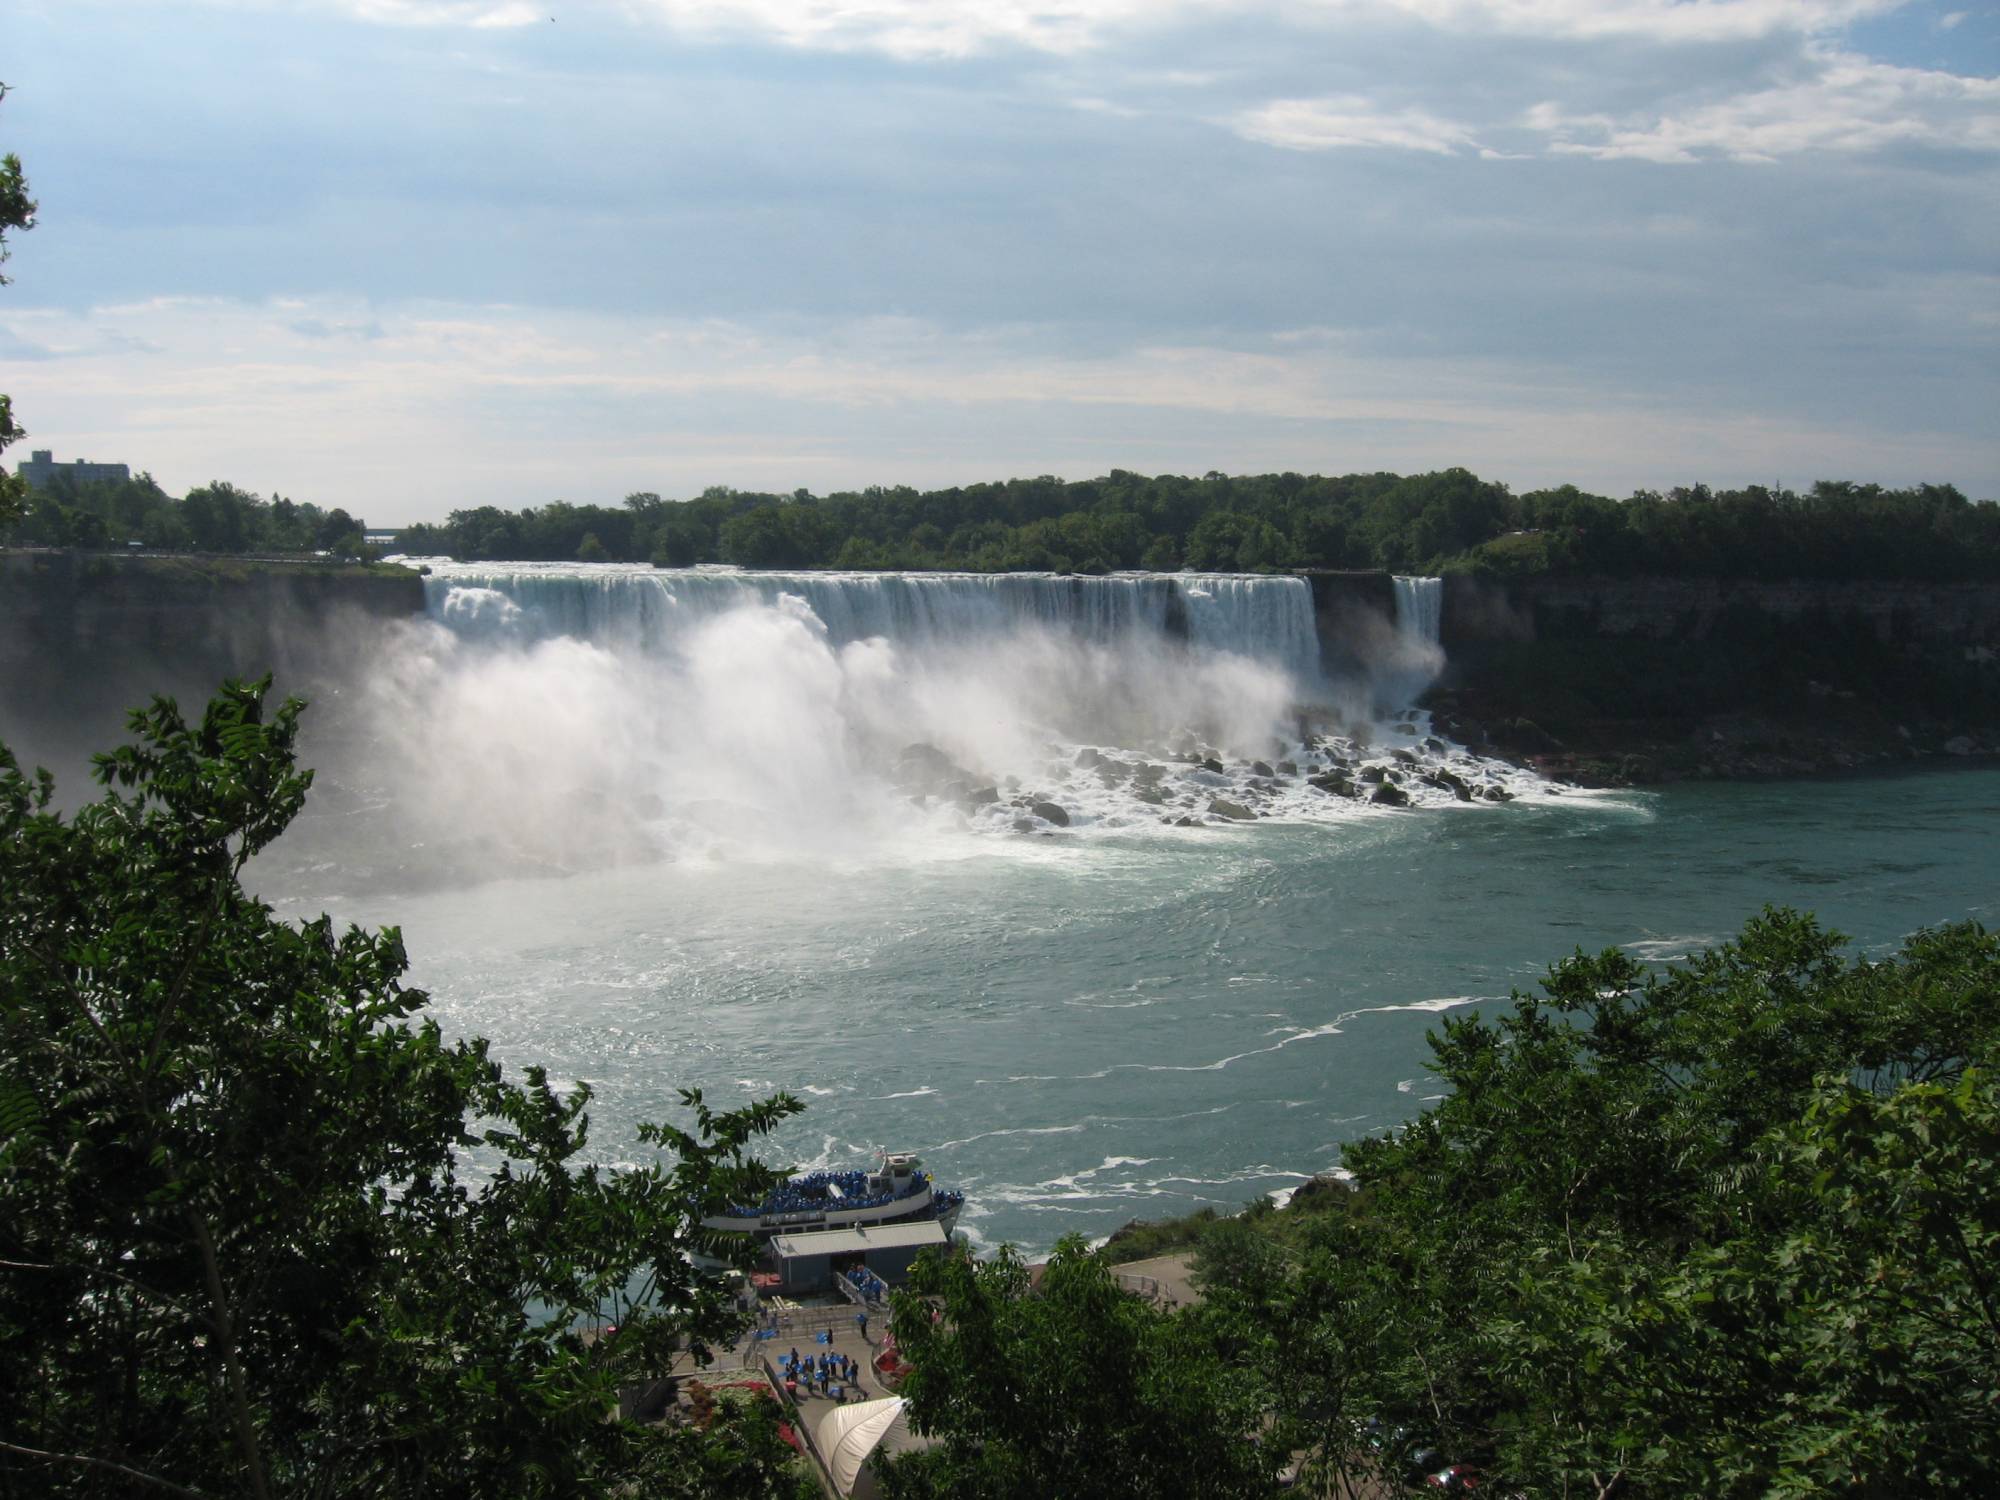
x,y
406,256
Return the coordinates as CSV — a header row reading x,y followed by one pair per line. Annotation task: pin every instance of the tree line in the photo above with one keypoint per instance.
x,y
1449,520
215,517
1446,521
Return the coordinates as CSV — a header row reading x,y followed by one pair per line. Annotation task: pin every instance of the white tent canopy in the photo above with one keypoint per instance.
x,y
847,1435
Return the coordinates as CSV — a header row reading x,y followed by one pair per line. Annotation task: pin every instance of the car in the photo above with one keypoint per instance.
x,y
1456,1479
1421,1461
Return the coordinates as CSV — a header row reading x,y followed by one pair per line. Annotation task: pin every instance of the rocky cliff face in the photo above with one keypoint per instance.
x,y
1477,611
1620,680
86,636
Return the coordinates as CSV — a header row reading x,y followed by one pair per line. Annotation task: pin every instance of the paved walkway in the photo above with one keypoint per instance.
x,y
1165,1278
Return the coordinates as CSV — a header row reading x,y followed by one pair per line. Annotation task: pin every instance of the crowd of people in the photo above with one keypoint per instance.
x,y
871,1287
816,1191
830,1374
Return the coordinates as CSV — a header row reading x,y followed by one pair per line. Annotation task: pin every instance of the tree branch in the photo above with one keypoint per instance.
x,y
84,1460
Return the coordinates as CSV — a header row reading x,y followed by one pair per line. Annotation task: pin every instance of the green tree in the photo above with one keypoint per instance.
x,y
17,211
239,1250
1071,1386
1725,1229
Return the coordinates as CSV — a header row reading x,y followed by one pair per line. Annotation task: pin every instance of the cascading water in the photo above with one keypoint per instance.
x,y
1267,619
1420,608
556,716
1415,657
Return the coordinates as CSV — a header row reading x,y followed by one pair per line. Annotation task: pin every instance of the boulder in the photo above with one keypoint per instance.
x,y
1496,794
1150,773
984,796
1024,825
1450,783
1049,812
1210,763
1407,757
1261,768
1337,786
1387,795
1086,758
1373,775
1151,795
1288,768
1223,808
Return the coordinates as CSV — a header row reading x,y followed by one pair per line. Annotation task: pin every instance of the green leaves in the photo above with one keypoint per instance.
x,y
1726,1228
236,1249
1068,1386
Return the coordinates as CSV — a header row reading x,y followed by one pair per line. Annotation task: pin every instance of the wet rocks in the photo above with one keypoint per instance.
x,y
1445,781
1050,812
1222,807
1388,794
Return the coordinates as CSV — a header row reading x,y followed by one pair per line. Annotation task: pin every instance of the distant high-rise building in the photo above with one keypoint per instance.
x,y
40,470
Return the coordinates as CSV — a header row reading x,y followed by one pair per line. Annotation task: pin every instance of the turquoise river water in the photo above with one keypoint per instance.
x,y
710,829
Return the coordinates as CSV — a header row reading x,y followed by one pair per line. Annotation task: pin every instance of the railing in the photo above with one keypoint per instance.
x,y
1144,1286
794,1321
799,1425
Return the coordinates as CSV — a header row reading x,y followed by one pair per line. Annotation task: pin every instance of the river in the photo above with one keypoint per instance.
x,y
1079,1025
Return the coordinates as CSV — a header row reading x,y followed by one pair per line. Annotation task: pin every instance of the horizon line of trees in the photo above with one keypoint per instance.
x,y
1449,520
214,517
1446,521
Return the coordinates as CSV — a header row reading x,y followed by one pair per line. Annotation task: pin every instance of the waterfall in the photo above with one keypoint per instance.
x,y
1420,608
555,716
636,608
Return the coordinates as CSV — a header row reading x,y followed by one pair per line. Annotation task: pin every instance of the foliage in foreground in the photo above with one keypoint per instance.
x,y
1074,1389
241,1251
1727,1229
17,211
1731,1228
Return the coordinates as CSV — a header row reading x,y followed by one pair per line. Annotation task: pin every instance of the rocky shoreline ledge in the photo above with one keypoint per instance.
x,y
1614,753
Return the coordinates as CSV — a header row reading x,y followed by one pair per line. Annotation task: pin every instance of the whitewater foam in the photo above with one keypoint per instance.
x,y
549,717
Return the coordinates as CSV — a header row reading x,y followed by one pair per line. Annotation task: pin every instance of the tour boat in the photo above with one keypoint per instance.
x,y
900,1191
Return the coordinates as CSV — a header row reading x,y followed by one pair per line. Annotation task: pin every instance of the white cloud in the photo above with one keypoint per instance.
x,y
1326,124
1849,104
908,29
479,14
916,29
1655,20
